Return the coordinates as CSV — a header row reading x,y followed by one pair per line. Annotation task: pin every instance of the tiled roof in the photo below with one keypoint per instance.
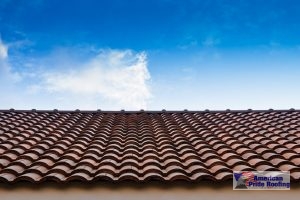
x,y
62,146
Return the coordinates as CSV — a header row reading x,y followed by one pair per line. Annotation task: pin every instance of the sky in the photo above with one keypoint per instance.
x,y
151,55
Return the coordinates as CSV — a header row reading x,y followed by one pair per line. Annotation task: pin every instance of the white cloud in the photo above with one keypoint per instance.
x,y
3,50
5,67
75,77
117,76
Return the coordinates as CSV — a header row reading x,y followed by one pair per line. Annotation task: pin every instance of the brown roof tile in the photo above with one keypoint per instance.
x,y
39,146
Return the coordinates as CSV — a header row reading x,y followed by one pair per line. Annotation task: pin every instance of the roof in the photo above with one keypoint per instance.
x,y
88,146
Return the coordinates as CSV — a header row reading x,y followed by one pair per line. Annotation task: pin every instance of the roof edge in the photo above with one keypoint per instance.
x,y
149,111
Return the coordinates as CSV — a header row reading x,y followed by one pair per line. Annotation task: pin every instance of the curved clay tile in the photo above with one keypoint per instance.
x,y
63,146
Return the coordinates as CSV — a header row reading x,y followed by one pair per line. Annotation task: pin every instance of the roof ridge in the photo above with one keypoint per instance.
x,y
152,111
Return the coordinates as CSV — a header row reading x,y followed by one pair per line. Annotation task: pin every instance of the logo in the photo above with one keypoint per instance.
x,y
261,180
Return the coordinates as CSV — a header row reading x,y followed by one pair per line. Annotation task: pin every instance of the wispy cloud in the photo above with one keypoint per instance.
x,y
3,56
118,76
109,79
210,42
3,50
5,67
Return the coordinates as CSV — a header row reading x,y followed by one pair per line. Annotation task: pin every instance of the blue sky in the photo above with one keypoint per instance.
x,y
164,54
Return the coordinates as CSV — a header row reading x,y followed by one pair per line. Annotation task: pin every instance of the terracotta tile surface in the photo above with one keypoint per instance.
x,y
64,146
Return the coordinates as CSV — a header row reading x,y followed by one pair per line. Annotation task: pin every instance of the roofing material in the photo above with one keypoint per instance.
x,y
87,146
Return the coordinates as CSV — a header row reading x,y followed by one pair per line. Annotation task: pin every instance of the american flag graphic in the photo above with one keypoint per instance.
x,y
249,176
